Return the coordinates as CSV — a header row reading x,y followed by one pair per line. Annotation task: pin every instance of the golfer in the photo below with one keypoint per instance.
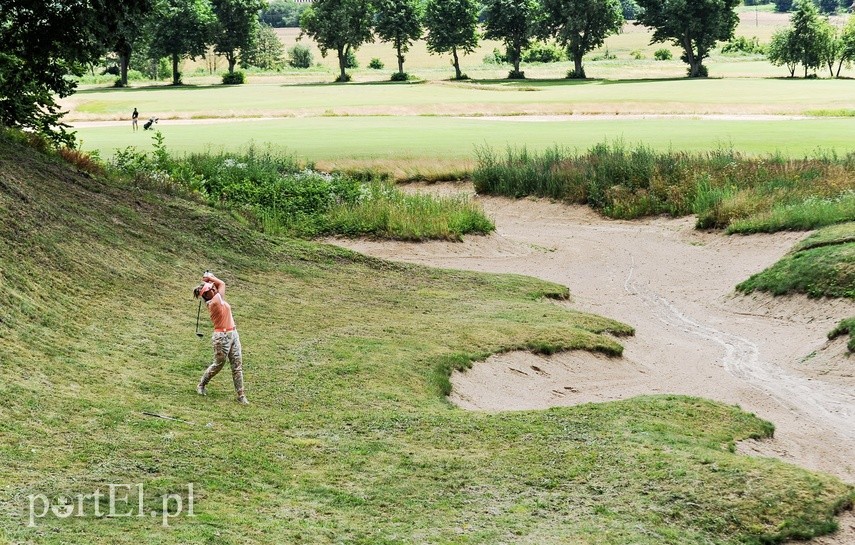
x,y
225,338
135,117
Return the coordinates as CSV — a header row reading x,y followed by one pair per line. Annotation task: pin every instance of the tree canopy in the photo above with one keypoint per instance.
x,y
582,25
235,28
694,25
452,27
400,23
514,22
181,27
339,25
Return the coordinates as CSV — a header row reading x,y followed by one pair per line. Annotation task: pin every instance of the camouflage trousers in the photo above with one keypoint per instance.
x,y
226,346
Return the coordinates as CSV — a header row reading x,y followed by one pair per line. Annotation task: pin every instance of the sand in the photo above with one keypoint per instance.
x,y
694,334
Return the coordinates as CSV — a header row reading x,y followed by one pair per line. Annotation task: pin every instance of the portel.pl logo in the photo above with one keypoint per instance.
x,y
121,503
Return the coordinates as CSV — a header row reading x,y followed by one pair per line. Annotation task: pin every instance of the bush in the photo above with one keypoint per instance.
x,y
541,52
604,56
375,64
573,74
399,76
300,56
782,6
350,60
663,55
636,54
630,9
234,78
344,79
111,70
496,57
514,74
740,45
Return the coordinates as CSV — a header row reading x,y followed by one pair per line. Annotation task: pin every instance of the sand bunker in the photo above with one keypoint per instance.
x,y
693,334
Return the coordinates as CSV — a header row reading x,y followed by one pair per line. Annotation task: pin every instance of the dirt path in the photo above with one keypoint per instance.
x,y
694,336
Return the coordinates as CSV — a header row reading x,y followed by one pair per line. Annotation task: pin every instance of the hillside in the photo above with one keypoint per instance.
x,y
349,438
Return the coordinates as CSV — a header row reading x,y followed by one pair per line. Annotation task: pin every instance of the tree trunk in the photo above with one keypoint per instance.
x,y
517,55
232,58
342,64
176,77
124,60
400,57
577,66
839,67
457,74
691,58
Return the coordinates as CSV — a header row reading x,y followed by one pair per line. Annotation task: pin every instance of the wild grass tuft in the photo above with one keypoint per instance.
x,y
724,188
845,327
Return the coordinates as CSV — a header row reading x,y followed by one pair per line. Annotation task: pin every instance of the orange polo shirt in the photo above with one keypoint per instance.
x,y
221,314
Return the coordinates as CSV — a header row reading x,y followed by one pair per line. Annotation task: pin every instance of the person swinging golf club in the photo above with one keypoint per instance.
x,y
225,339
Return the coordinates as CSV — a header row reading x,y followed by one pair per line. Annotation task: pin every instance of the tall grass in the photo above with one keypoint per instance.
x,y
724,188
282,196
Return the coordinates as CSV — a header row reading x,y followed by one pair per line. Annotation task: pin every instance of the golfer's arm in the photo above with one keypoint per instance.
x,y
221,286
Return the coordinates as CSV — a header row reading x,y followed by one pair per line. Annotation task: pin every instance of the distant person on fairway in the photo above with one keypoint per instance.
x,y
225,339
134,117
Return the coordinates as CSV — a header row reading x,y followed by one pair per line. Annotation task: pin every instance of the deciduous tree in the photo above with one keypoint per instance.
x,y
339,25
807,34
582,25
782,50
265,51
694,25
235,28
452,28
125,23
399,22
181,27
514,22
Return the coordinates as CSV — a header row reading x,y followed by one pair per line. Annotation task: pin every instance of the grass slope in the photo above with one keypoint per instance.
x,y
349,439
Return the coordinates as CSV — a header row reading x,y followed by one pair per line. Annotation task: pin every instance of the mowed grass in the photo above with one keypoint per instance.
x,y
397,140
349,438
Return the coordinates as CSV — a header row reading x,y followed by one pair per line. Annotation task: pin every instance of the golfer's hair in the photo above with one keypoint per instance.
x,y
197,291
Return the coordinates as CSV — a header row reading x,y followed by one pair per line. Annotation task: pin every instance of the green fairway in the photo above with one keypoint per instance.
x,y
425,138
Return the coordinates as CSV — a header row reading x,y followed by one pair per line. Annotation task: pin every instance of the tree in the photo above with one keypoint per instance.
x,y
125,22
181,27
399,23
339,25
282,13
582,25
807,34
694,25
40,44
782,50
783,6
829,7
514,22
452,27
830,45
265,51
235,28
847,42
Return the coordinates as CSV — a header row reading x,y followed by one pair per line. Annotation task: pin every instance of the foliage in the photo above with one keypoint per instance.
x,y
544,53
234,78
350,60
637,54
282,13
339,25
740,45
695,26
515,23
845,327
300,56
179,28
235,28
399,22
783,6
496,57
807,36
723,188
783,50
452,27
41,43
629,9
375,64
267,52
400,76
663,54
581,26
125,23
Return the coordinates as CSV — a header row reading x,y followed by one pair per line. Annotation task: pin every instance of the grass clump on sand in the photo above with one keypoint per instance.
x,y
281,196
349,438
845,327
823,265
724,188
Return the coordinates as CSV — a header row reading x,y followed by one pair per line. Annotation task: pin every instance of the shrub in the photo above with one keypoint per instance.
x,y
541,52
604,56
234,78
83,161
375,64
636,54
344,79
663,55
573,74
496,57
300,56
350,60
740,45
516,74
400,76
630,9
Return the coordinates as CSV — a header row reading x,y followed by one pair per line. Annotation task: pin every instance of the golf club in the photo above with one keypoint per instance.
x,y
198,333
